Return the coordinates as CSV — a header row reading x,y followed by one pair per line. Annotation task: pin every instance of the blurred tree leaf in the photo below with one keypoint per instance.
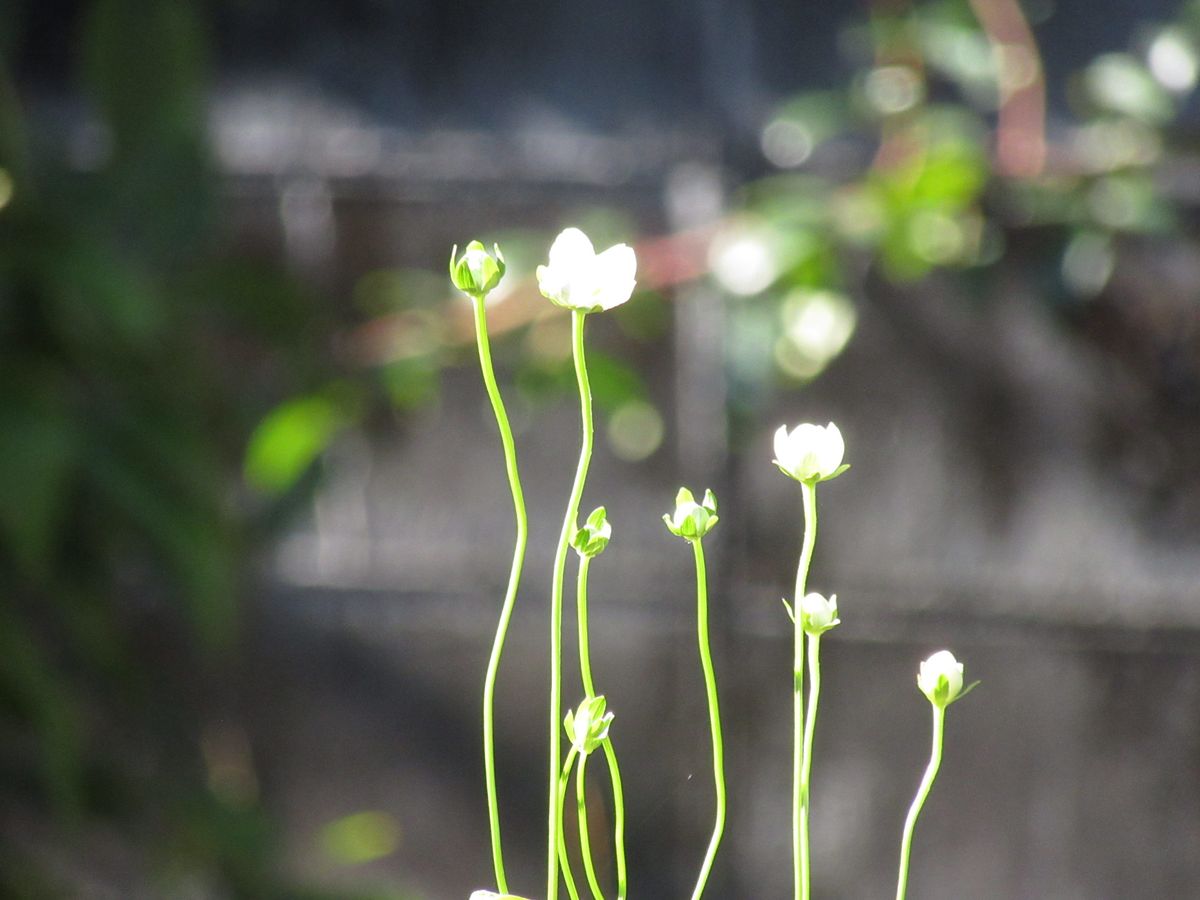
x,y
614,382
39,449
292,436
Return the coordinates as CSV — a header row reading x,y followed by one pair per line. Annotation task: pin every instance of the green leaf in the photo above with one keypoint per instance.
x,y
290,439
614,382
39,451
361,837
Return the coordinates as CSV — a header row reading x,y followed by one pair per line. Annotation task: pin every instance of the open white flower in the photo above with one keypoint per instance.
x,y
810,453
579,278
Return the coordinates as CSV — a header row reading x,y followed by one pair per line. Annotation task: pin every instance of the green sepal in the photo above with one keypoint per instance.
x,y
691,520
476,272
787,608
591,539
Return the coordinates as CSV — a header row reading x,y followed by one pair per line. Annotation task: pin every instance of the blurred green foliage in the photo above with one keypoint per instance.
x,y
138,353
935,158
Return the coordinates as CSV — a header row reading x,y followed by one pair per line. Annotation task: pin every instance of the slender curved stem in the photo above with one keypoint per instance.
x,y
810,728
799,794
585,840
563,862
714,717
935,760
610,753
556,596
614,774
510,594
585,654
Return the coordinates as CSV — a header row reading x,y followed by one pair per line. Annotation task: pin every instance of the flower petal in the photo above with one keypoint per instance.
x,y
571,252
834,450
614,273
781,445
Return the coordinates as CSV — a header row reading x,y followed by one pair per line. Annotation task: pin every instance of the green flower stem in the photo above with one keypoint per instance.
x,y
799,793
585,841
810,728
614,774
585,656
563,862
610,753
556,597
935,761
510,595
714,717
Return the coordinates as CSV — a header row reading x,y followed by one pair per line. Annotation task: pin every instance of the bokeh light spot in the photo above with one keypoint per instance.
x,y
635,430
817,324
893,89
1088,263
743,259
787,143
1172,60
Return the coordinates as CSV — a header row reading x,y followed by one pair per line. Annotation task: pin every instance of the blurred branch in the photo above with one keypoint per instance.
x,y
1021,129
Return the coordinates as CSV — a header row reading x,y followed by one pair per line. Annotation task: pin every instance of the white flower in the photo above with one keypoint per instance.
x,y
579,279
818,615
810,453
492,895
941,678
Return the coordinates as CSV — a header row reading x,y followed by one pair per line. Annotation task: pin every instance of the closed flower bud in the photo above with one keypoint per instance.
x,y
587,726
692,520
810,453
593,537
476,272
818,615
940,678
580,279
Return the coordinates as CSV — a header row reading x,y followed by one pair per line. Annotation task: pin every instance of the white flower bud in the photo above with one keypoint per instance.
x,y
941,678
476,272
578,278
692,520
818,615
591,539
587,726
810,453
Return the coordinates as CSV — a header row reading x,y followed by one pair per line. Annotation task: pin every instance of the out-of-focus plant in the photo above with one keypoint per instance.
x,y
137,354
935,157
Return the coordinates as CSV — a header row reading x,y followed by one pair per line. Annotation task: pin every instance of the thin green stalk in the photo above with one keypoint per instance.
x,y
799,794
935,760
556,596
810,728
610,753
563,862
614,773
585,654
714,717
585,840
510,595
